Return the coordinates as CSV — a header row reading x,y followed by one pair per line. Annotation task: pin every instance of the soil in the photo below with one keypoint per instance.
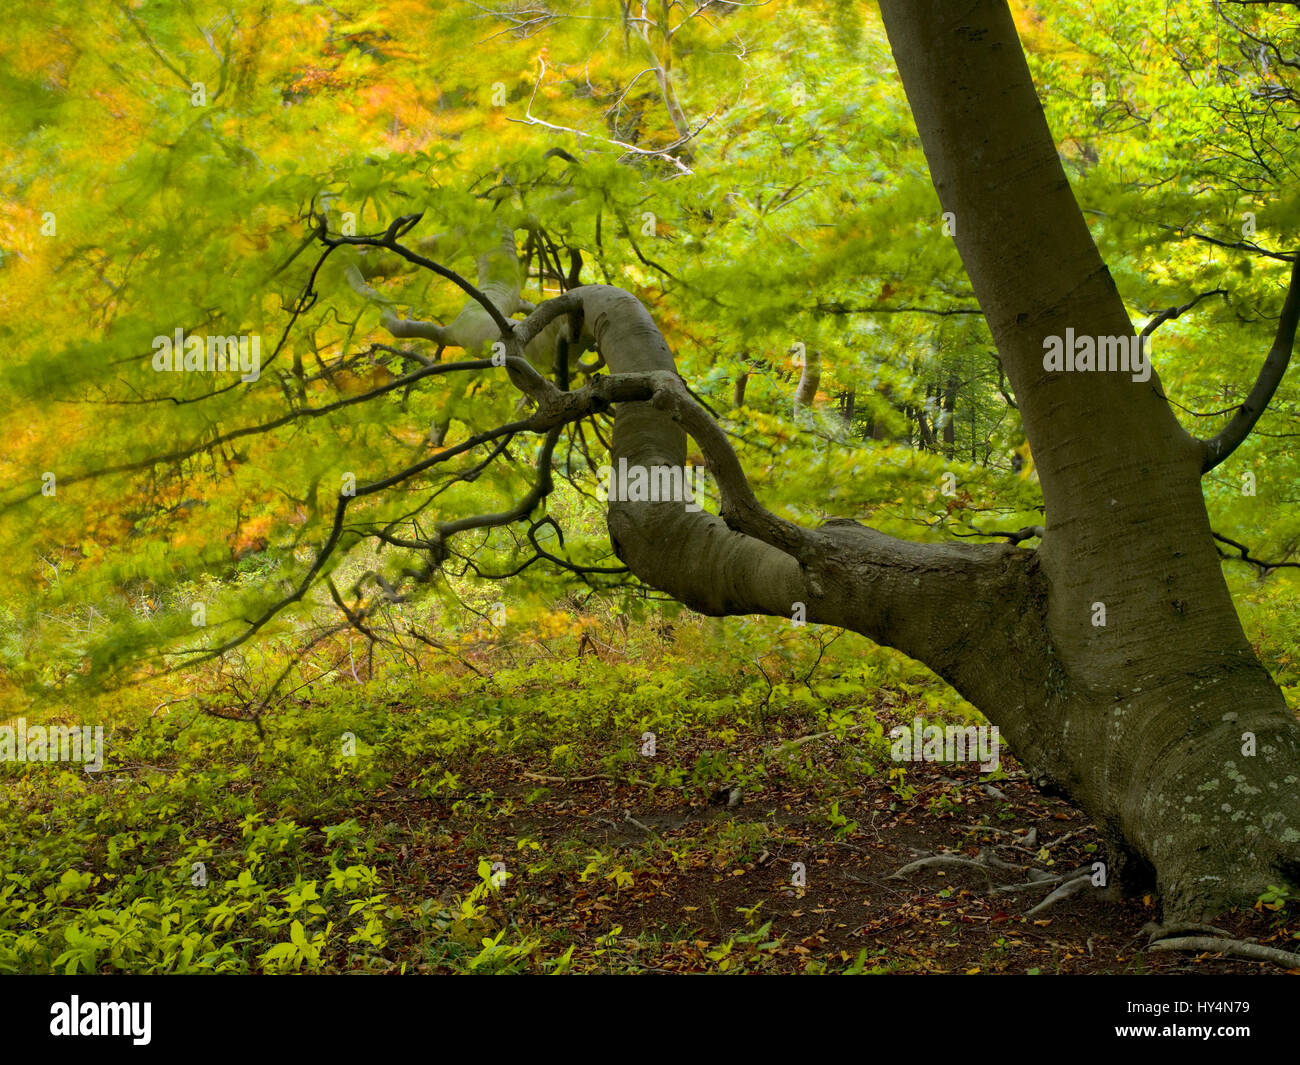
x,y
697,873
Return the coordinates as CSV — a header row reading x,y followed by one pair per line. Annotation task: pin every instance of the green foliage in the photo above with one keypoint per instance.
x,y
805,148
201,847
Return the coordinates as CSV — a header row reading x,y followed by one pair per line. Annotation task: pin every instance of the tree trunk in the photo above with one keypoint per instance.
x,y
950,417
925,438
1144,722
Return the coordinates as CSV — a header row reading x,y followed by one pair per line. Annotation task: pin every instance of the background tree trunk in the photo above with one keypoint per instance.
x,y
950,417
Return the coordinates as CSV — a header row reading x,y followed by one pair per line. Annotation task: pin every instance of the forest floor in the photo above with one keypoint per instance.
x,y
698,886
509,816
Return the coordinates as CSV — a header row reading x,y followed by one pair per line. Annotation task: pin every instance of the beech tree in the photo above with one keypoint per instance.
x,y
1104,642
1110,655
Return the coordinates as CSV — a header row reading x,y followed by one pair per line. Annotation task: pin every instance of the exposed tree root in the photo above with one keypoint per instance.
x,y
568,780
627,816
943,859
1075,884
1155,930
1237,947
789,745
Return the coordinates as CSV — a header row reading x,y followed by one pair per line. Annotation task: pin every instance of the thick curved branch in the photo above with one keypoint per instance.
x,y
403,328
1231,437
494,299
933,601
484,319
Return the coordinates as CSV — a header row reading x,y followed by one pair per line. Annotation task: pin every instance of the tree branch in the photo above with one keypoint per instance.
x,y
1175,312
1228,439
1245,556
